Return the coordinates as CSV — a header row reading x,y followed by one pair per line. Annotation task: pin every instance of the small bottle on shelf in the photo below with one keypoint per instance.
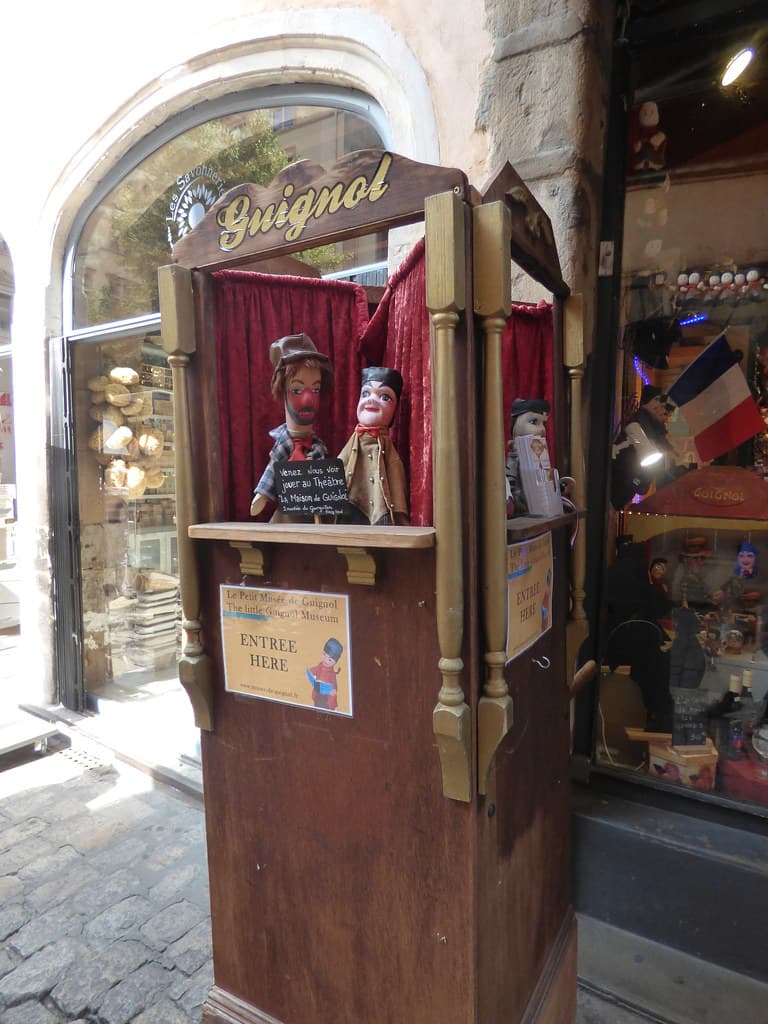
x,y
731,699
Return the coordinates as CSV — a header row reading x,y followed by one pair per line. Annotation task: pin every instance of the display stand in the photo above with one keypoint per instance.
x,y
406,859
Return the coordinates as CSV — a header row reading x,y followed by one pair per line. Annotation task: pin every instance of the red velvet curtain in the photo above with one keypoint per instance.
x,y
251,311
398,337
526,361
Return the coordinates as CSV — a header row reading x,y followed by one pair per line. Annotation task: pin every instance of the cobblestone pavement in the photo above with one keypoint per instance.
x,y
104,914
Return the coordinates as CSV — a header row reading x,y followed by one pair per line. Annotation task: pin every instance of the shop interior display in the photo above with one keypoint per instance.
x,y
684,655
132,444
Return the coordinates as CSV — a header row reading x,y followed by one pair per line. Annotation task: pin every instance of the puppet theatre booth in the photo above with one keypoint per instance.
x,y
384,731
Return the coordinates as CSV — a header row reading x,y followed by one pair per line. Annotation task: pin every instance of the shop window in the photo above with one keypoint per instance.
x,y
684,631
126,557
131,232
8,596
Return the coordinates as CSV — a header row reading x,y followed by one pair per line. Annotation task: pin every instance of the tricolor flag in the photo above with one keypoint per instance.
x,y
715,401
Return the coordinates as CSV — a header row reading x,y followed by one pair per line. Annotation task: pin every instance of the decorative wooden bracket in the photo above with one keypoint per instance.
x,y
493,302
361,565
445,287
195,667
251,558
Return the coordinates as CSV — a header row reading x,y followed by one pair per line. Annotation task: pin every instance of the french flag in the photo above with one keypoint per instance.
x,y
715,401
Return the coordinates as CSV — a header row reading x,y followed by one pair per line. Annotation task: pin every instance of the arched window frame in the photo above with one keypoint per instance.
x,y
349,100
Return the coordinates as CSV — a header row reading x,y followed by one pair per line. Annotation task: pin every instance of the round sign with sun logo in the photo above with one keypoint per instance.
x,y
196,192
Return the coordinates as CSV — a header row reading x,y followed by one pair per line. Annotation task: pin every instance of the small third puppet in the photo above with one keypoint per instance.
x,y
375,476
301,375
529,416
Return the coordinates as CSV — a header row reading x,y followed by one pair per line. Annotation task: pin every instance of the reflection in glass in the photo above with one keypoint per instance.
x,y
132,231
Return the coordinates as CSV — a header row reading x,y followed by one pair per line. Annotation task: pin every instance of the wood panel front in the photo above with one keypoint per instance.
x,y
524,828
342,881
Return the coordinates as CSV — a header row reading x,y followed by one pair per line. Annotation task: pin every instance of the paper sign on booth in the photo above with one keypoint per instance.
x,y
529,592
289,646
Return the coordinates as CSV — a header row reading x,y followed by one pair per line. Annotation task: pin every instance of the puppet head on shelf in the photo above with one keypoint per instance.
x,y
301,375
374,472
529,416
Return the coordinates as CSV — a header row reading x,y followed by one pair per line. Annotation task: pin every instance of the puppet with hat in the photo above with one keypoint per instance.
x,y
301,376
375,475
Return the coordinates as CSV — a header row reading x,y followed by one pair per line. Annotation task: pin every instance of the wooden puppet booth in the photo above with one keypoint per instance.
x,y
384,708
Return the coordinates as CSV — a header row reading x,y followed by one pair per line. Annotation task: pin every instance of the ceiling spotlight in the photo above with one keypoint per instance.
x,y
736,66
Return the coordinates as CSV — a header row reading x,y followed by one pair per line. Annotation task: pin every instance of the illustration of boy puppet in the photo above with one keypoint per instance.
x,y
325,693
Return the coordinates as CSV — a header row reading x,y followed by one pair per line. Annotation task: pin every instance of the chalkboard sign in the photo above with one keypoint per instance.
x,y
689,722
311,486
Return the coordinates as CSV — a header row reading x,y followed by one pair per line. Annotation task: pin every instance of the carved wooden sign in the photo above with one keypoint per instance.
x,y
722,491
308,205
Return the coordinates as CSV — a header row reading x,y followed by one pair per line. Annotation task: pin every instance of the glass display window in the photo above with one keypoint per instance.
x,y
683,686
132,230
126,487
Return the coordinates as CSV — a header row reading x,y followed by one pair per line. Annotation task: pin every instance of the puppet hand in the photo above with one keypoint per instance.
x,y
258,503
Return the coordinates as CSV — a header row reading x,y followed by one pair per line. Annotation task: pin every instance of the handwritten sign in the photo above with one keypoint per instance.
x,y
288,646
689,720
529,592
312,486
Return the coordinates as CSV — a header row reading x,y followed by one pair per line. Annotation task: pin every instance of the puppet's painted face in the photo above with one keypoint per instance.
x,y
376,406
658,570
327,660
530,423
745,561
302,396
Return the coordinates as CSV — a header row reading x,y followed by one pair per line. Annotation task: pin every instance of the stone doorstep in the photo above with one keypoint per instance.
x,y
660,983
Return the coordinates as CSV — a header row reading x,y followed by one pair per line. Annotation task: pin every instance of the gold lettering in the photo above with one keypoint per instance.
x,y
379,185
268,218
299,214
356,191
282,210
233,218
329,199
237,220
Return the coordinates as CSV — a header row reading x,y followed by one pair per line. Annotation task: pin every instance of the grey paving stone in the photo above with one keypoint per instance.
x,y
170,924
30,1013
35,977
110,890
134,994
79,877
12,918
85,983
192,995
124,853
23,854
11,888
192,950
175,882
35,934
164,1012
6,962
17,832
116,922
52,864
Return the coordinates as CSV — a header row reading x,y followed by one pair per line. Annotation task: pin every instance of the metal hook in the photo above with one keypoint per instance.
x,y
542,662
